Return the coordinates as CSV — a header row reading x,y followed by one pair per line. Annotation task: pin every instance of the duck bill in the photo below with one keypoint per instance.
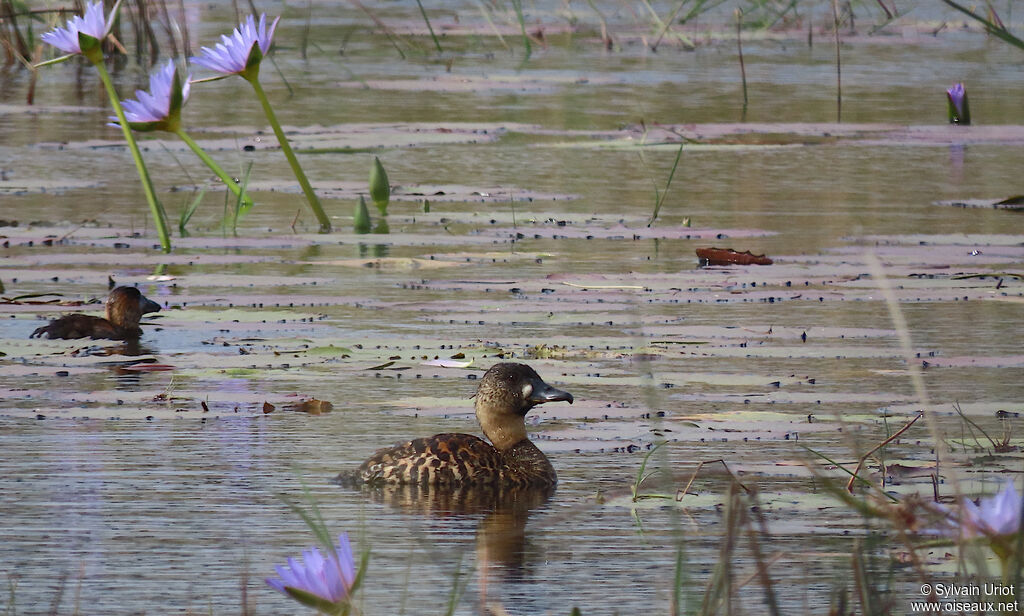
x,y
147,305
542,392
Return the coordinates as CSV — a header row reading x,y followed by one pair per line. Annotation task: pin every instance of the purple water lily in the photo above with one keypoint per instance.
x,y
995,516
237,53
959,109
84,35
328,578
160,108
240,54
93,24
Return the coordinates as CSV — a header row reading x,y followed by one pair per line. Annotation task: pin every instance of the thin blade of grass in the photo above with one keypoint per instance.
x,y
668,184
993,28
188,211
456,593
494,28
430,28
518,4
640,474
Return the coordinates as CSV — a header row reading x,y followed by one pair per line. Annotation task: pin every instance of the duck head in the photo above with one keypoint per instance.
x,y
126,305
506,394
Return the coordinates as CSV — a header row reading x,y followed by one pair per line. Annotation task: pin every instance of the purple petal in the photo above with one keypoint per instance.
x,y
329,577
94,24
155,105
277,585
345,560
232,53
288,576
266,38
956,95
62,40
1002,511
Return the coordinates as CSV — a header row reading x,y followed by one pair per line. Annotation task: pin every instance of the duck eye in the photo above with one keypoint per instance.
x,y
527,390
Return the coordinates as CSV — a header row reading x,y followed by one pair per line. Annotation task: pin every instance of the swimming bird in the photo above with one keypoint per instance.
x,y
506,393
125,306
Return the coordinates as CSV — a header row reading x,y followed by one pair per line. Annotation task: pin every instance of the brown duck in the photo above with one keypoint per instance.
x,y
506,393
125,307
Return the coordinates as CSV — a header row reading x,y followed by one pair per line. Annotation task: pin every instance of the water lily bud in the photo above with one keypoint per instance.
x,y
957,106
380,190
361,219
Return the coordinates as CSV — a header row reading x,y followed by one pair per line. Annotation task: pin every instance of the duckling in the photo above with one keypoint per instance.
x,y
506,393
125,307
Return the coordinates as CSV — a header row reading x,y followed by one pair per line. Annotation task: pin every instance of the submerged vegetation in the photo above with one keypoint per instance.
x,y
829,430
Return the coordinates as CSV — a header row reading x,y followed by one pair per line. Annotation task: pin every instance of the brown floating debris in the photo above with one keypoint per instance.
x,y
268,408
312,406
728,256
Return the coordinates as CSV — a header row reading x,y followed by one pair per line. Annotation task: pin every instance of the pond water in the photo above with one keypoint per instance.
x,y
121,493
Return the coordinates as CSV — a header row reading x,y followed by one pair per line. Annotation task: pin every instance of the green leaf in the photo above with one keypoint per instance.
x,y
87,43
252,63
316,602
177,100
965,115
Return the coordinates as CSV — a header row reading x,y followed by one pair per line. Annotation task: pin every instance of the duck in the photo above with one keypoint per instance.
x,y
125,307
505,395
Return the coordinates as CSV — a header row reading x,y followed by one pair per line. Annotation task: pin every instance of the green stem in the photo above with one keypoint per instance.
x,y
993,28
227,179
314,202
429,27
159,216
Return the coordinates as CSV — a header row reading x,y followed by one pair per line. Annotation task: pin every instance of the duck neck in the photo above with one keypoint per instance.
x,y
504,430
530,465
122,318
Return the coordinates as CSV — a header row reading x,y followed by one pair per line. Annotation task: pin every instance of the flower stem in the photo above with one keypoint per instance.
x,y
159,216
314,202
227,179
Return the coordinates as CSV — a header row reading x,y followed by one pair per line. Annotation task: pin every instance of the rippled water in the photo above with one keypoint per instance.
x,y
119,495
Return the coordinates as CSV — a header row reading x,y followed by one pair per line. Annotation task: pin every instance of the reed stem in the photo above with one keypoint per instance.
x,y
157,210
227,179
307,188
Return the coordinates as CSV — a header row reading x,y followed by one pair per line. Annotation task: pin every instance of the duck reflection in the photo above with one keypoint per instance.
x,y
130,348
504,552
